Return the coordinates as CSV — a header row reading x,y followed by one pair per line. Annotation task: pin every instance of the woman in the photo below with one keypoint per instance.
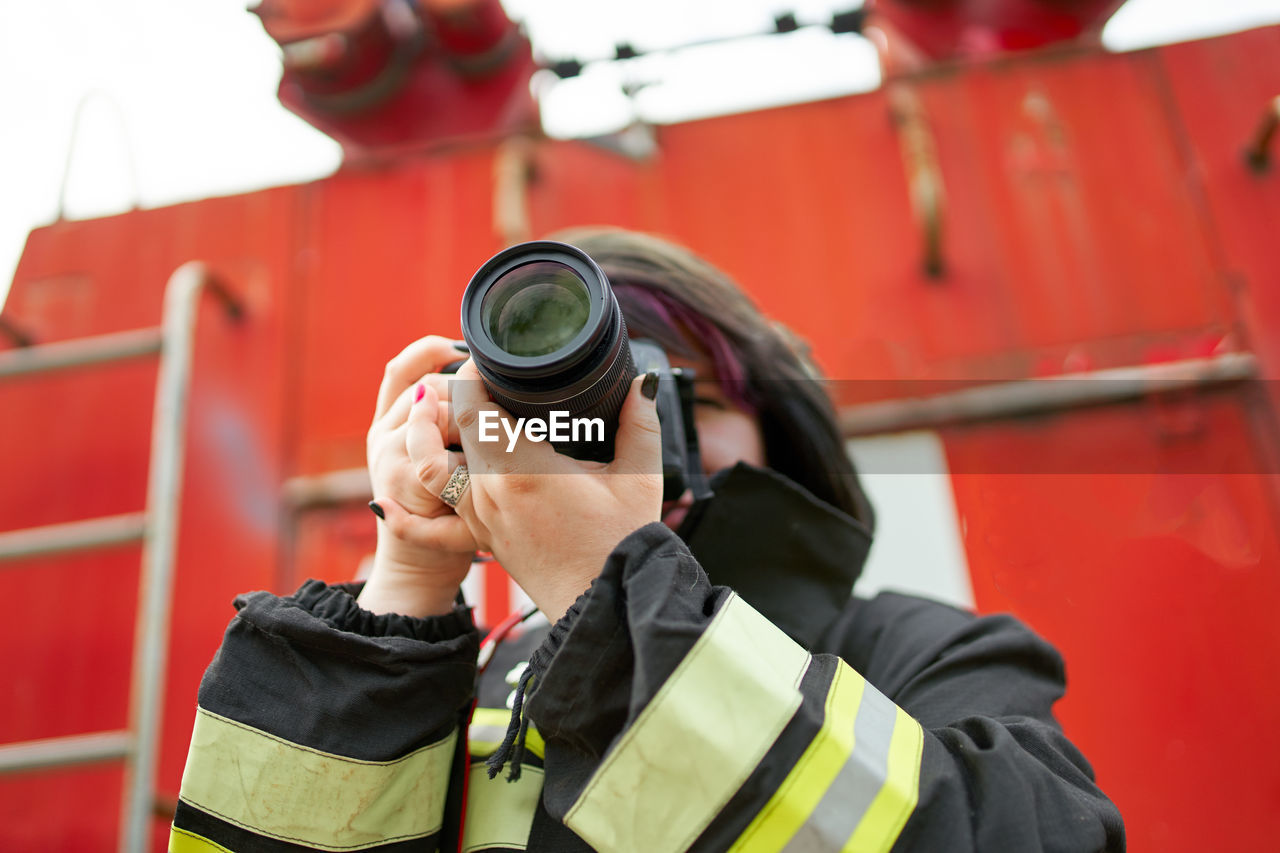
x,y
712,687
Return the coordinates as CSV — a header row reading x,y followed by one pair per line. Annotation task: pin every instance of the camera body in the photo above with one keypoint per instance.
x,y
548,336
681,459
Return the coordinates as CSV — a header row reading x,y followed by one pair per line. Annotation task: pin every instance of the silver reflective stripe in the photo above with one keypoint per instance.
x,y
487,734
847,801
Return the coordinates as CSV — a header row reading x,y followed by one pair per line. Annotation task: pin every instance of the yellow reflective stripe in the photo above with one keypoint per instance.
x,y
698,740
489,727
270,786
802,790
184,841
855,785
500,813
897,799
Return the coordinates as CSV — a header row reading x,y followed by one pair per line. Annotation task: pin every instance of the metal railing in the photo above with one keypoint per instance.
x,y
73,536
156,528
1033,396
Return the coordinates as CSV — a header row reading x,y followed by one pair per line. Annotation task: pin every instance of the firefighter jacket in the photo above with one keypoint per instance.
x,y
720,691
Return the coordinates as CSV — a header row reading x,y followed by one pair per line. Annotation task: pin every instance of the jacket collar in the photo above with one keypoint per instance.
x,y
790,555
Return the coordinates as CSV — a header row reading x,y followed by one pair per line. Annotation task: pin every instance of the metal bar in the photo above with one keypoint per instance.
x,y
80,352
62,751
164,494
1258,153
333,487
926,189
72,536
15,332
512,174
127,148
1031,396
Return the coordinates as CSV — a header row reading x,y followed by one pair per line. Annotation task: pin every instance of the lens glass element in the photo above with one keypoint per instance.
x,y
536,308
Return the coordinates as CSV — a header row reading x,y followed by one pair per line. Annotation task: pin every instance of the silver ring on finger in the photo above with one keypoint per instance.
x,y
456,486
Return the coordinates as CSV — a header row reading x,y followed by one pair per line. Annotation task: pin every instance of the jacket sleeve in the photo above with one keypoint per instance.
x,y
676,717
324,726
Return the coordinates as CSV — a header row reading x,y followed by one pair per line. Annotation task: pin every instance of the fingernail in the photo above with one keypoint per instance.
x,y
461,346
377,510
418,394
649,387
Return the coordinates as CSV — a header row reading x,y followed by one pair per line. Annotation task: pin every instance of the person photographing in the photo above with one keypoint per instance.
x,y
707,683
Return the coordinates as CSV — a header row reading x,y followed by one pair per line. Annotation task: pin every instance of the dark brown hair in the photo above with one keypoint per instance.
x,y
762,365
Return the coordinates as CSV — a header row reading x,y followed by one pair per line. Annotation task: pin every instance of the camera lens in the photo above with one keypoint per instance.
x,y
536,308
547,335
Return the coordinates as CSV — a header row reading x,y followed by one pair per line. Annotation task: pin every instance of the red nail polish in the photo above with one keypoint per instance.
x,y
418,394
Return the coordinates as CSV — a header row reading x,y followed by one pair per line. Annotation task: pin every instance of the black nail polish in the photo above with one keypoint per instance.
x,y
377,510
461,346
649,387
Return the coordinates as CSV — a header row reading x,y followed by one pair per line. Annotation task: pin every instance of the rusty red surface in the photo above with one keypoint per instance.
x,y
1096,214
1219,91
1159,586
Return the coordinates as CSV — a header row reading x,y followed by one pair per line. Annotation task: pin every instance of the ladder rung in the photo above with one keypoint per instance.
x,y
73,536
116,346
333,487
61,751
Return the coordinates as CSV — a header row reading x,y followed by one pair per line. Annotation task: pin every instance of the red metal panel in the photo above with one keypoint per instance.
x,y
80,448
1065,177
1149,560
806,207
1221,88
70,811
68,645
581,183
74,446
387,256
329,543
68,471
90,277
1050,265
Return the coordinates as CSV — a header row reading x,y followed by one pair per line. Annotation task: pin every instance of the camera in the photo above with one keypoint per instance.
x,y
547,335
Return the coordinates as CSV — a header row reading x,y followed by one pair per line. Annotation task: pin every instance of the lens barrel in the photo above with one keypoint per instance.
x,y
547,335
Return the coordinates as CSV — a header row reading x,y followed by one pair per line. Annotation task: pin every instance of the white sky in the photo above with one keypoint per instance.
x,y
185,89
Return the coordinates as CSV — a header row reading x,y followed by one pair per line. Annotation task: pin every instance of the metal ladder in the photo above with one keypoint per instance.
x,y
156,528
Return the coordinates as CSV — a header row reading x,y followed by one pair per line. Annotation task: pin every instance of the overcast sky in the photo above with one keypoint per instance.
x,y
181,94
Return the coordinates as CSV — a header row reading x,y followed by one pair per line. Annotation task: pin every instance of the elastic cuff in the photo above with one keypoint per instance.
x,y
543,654
336,606
629,553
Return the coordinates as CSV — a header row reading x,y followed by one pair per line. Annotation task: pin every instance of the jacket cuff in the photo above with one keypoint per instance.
x,y
631,549
336,605
317,670
589,674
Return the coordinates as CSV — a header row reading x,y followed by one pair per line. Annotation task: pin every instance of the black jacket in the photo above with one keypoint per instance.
x,y
758,708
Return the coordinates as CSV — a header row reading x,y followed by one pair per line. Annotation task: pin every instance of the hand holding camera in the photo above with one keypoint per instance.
x,y
550,519
549,346
424,549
